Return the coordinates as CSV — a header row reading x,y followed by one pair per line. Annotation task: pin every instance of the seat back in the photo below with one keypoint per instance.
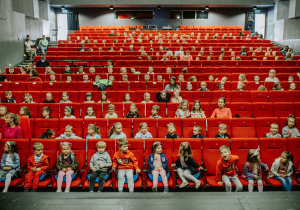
x,y
188,125
126,124
213,126
263,125
77,125
41,125
151,123
162,126
243,128
294,148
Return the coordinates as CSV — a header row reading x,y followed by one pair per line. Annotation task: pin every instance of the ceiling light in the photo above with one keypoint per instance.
x,y
158,7
111,7
207,7
255,8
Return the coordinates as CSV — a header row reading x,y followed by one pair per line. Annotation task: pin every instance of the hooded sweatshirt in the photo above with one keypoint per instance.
x,y
226,167
100,159
126,161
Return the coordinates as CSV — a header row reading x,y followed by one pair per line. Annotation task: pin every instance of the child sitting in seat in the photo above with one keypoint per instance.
x,y
197,111
111,112
46,112
68,134
225,173
24,111
183,110
67,70
65,98
3,111
89,98
222,132
262,88
68,79
49,98
90,112
9,98
189,86
49,70
143,133
147,98
292,86
125,162
240,86
37,165
127,98
93,132
159,78
197,132
290,129
171,129
154,111
116,131
203,87
49,134
85,78
277,86
69,112
221,86
28,98
80,70
133,112
274,128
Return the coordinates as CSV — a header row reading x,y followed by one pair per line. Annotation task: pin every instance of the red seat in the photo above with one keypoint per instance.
x,y
259,96
213,126
189,123
203,96
243,128
293,96
102,123
294,148
162,109
4,86
33,108
41,125
254,85
36,95
283,109
262,109
263,125
240,96
297,109
77,125
35,86
75,106
140,106
96,106
11,107
121,94
55,94
126,125
151,123
156,86
242,109
85,86
162,126
219,94
277,96
136,85
187,95
17,86
118,109
171,109
69,86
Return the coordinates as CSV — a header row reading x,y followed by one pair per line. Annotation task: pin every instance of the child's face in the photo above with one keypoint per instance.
x,y
196,131
132,109
171,129
67,113
154,112
48,97
283,158
169,71
101,149
176,92
221,87
147,77
197,106
221,103
80,70
189,87
111,78
291,78
85,78
147,97
69,79
292,87
222,131
65,97
118,129
68,132
111,110
158,149
203,86
184,106
124,148
8,96
274,129
52,78
22,112
110,70
210,78
181,78
103,97
27,99
144,130
256,78
90,111
239,86
2,111
66,150
225,154
159,78
127,97
6,148
291,123
89,98
163,95
52,136
150,69
38,151
45,113
124,79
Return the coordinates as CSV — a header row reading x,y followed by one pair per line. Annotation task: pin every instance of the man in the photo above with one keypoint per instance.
x,y
43,62
82,48
251,26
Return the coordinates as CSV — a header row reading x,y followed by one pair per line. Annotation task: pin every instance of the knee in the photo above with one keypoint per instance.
x,y
251,182
260,182
8,175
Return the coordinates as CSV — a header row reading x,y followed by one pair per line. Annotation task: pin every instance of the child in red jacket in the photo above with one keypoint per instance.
x,y
225,172
37,165
125,161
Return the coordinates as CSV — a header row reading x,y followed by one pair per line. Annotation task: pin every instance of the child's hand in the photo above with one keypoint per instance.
x,y
173,165
200,168
255,177
267,168
101,166
220,183
113,168
6,168
64,170
161,169
138,171
38,169
33,169
69,169
93,169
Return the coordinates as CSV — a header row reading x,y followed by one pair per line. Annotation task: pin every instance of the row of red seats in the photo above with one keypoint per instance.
x,y
206,153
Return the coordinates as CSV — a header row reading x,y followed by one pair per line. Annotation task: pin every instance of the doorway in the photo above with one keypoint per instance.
x,y
62,26
260,23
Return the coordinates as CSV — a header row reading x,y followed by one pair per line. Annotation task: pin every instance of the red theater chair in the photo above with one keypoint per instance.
x,y
243,128
151,123
242,109
213,126
262,109
162,126
77,125
188,125
41,125
263,125
294,148
102,123
126,125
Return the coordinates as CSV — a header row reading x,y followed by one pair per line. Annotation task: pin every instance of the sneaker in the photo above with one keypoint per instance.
x,y
183,184
67,190
91,191
166,189
99,191
197,185
58,190
26,190
33,190
154,189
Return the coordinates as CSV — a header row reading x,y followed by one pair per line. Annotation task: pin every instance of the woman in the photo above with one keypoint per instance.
x,y
28,45
11,129
43,44
172,86
221,112
34,77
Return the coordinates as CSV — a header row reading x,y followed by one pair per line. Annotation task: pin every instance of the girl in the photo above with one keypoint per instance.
x,y
49,134
183,110
66,164
197,110
172,86
65,98
186,165
3,111
90,112
143,133
11,129
176,97
116,131
181,78
257,78
133,112
203,86
242,78
189,87
158,165
93,132
103,98
262,88
52,78
277,87
111,112
292,87
89,98
24,111
147,98
127,98
282,170
253,170
28,98
10,163
69,112
289,130
221,112
80,70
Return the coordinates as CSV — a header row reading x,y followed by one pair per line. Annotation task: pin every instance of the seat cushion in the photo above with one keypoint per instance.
x,y
211,180
150,176
97,179
64,178
277,183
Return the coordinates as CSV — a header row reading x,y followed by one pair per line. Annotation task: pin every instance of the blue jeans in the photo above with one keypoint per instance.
x,y
42,47
286,182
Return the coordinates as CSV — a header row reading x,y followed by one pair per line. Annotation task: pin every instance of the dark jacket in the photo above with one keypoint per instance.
x,y
197,137
168,136
163,160
226,135
191,164
47,102
160,99
80,49
67,72
74,165
10,101
136,115
42,64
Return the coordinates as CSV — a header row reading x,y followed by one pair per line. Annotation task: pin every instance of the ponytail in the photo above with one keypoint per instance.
x,y
14,117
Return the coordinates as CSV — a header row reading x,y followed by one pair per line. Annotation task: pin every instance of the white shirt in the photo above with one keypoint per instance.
x,y
70,117
87,116
269,79
147,102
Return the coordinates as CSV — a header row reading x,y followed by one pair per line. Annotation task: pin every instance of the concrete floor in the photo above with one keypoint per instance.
x,y
148,200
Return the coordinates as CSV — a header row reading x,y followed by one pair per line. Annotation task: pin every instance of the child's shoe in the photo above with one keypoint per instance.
x,y
183,184
58,190
166,189
33,190
26,190
154,189
91,191
197,185
67,190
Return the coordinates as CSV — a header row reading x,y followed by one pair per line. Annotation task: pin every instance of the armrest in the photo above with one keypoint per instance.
x,y
83,168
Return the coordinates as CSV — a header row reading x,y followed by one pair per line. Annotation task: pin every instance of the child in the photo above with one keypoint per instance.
x,y
274,128
221,86
187,166
181,78
253,170
116,131
66,164
68,134
80,70
99,164
111,112
147,78
143,133
69,112
125,162
49,98
222,132
257,78
277,86
133,112
52,78
203,87
240,86
49,134
68,79
9,98
67,70
89,98
90,112
291,78
197,132
147,98
65,98
92,70
211,78
197,110
103,97
10,163
176,97
292,86
158,165
49,70
159,78
290,129
24,111
171,129
3,111
28,98
46,112
154,112
93,132
282,170
262,88
127,98
37,165
150,70
183,110
225,173
163,96
189,87
242,78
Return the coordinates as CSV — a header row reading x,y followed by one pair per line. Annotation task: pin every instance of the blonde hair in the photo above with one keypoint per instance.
x,y
171,124
222,126
29,96
65,93
14,117
100,143
185,150
262,88
122,142
37,145
113,128
7,92
198,127
111,106
224,147
143,124
182,103
69,127
274,124
95,128
66,144
146,94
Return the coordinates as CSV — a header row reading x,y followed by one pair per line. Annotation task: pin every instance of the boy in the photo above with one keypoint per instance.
x,y
124,78
240,86
211,78
274,131
171,128
147,77
221,86
49,70
125,161
222,132
203,86
225,172
197,132
37,165
69,79
9,98
85,78
99,164
68,134
111,112
159,78
154,111
49,98
46,112
189,87
67,70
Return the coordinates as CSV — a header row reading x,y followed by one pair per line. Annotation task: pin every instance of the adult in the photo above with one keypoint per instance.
x,y
251,24
221,112
272,78
288,56
172,86
284,50
28,47
42,62
11,129
43,44
34,77
243,51
163,96
82,48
